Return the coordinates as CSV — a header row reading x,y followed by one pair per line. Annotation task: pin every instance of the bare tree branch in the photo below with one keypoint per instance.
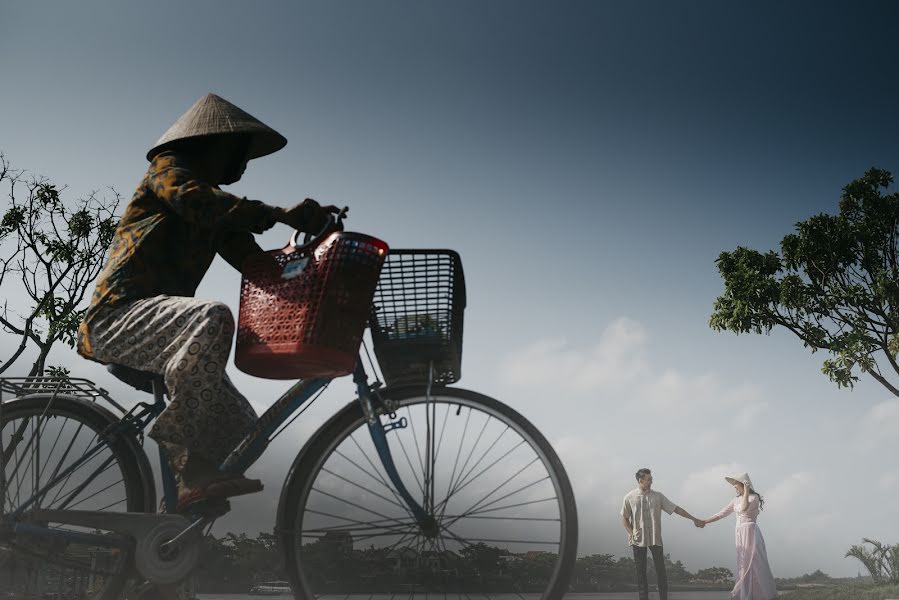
x,y
56,248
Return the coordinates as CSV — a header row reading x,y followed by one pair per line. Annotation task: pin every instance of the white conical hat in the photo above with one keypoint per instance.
x,y
213,115
741,477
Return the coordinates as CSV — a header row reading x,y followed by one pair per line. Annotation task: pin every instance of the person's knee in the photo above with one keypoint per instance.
x,y
218,311
218,320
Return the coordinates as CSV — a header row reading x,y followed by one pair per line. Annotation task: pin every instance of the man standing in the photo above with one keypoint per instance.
x,y
641,514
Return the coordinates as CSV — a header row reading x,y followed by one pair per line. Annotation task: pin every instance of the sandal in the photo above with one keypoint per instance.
x,y
227,486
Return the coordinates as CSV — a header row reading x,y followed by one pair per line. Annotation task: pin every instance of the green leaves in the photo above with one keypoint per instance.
x,y
12,220
834,284
750,282
64,322
80,223
57,371
715,574
47,195
106,230
59,250
881,561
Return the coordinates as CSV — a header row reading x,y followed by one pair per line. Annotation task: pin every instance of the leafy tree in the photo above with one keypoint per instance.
x,y
676,571
625,567
816,576
233,563
590,571
52,251
216,571
252,555
715,575
881,561
484,558
834,284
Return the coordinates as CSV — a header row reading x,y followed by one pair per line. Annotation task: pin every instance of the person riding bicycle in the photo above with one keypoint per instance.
x,y
143,314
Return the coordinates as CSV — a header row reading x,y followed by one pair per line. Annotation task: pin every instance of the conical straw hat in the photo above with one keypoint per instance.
x,y
741,477
213,115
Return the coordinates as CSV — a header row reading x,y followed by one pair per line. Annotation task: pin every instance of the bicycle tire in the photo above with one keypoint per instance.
x,y
316,453
125,452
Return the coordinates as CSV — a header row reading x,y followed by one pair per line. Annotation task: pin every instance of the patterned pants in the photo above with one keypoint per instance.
x,y
188,341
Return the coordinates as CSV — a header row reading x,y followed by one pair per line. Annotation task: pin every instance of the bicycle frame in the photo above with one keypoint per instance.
x,y
250,448
254,444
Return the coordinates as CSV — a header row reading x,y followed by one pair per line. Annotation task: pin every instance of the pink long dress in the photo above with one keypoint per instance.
x,y
754,580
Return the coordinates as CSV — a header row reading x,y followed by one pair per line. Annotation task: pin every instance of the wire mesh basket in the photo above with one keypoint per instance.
x,y
417,317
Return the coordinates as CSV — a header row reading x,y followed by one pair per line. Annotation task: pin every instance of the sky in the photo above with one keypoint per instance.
x,y
588,160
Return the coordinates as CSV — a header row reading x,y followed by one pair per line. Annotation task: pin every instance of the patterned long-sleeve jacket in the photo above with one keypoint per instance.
x,y
165,242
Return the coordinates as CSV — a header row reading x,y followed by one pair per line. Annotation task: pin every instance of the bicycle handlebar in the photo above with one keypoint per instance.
x,y
335,223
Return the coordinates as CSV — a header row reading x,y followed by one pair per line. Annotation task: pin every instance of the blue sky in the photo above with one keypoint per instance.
x,y
589,160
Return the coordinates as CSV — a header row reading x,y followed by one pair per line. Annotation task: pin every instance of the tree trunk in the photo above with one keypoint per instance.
x,y
37,369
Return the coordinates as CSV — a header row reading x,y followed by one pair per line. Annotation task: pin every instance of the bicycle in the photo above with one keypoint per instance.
x,y
415,488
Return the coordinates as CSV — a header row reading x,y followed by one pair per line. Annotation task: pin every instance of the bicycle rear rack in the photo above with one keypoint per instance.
x,y
70,386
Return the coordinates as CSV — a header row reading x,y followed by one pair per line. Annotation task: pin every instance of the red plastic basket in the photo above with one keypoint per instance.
x,y
307,318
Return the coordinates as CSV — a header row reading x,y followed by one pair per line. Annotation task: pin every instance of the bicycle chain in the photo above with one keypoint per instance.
x,y
68,563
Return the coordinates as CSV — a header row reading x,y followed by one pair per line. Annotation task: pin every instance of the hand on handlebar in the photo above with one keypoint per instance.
x,y
308,216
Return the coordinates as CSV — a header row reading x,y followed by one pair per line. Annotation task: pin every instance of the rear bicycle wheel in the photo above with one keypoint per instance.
x,y
506,514
40,442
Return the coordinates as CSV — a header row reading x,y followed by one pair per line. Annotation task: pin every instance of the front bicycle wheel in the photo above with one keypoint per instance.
x,y
505,511
59,453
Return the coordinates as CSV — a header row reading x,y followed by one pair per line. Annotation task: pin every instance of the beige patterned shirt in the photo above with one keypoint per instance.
x,y
644,511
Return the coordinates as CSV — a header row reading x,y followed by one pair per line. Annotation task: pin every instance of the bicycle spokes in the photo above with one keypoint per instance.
x,y
484,484
49,461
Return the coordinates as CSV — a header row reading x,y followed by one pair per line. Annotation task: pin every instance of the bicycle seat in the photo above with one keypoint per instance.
x,y
139,380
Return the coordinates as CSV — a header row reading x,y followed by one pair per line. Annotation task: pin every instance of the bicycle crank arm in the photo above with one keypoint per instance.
x,y
158,561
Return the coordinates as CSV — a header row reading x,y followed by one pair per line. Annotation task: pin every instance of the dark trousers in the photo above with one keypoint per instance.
x,y
658,559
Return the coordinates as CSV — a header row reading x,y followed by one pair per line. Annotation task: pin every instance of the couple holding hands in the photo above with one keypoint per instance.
x,y
641,515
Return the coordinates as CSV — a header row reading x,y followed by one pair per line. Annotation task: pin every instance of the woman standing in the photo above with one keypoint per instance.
x,y
753,580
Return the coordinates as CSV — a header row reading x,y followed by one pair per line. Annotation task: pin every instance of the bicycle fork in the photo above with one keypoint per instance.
x,y
378,431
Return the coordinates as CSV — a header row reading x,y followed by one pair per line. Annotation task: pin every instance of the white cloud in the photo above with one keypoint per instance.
x,y
747,414
888,480
709,439
589,469
879,424
677,393
675,390
707,486
617,357
789,490
797,530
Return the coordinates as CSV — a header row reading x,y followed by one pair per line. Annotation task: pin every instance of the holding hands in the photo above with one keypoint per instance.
x,y
699,523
